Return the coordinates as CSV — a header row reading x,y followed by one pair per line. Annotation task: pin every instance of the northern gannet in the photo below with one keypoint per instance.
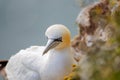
x,y
50,62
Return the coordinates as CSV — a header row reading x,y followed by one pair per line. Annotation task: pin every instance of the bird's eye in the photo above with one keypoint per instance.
x,y
58,39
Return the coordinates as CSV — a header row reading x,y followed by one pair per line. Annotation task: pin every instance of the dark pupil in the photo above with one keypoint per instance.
x,y
59,39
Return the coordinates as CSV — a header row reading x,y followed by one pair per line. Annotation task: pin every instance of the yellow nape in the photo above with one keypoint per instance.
x,y
65,40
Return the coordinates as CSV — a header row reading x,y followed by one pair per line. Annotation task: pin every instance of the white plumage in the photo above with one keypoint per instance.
x,y
50,62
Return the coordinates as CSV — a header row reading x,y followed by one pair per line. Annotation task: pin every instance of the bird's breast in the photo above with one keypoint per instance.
x,y
57,66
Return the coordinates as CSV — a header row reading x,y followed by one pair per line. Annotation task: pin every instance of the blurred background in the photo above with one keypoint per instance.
x,y
23,22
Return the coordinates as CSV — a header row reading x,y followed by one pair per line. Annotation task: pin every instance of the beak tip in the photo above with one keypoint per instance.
x,y
43,53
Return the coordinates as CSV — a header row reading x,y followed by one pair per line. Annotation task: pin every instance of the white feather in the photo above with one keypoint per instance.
x,y
30,64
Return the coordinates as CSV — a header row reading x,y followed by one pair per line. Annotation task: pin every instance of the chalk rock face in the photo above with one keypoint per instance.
x,y
95,44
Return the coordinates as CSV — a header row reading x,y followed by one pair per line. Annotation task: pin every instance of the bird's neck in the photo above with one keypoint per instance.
x,y
59,62
59,52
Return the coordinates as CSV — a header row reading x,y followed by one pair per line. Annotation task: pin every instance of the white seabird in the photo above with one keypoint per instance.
x,y
50,62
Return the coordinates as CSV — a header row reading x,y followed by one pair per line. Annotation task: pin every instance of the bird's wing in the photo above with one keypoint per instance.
x,y
2,68
23,65
3,64
33,58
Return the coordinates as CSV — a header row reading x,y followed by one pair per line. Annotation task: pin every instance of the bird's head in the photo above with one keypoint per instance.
x,y
58,37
